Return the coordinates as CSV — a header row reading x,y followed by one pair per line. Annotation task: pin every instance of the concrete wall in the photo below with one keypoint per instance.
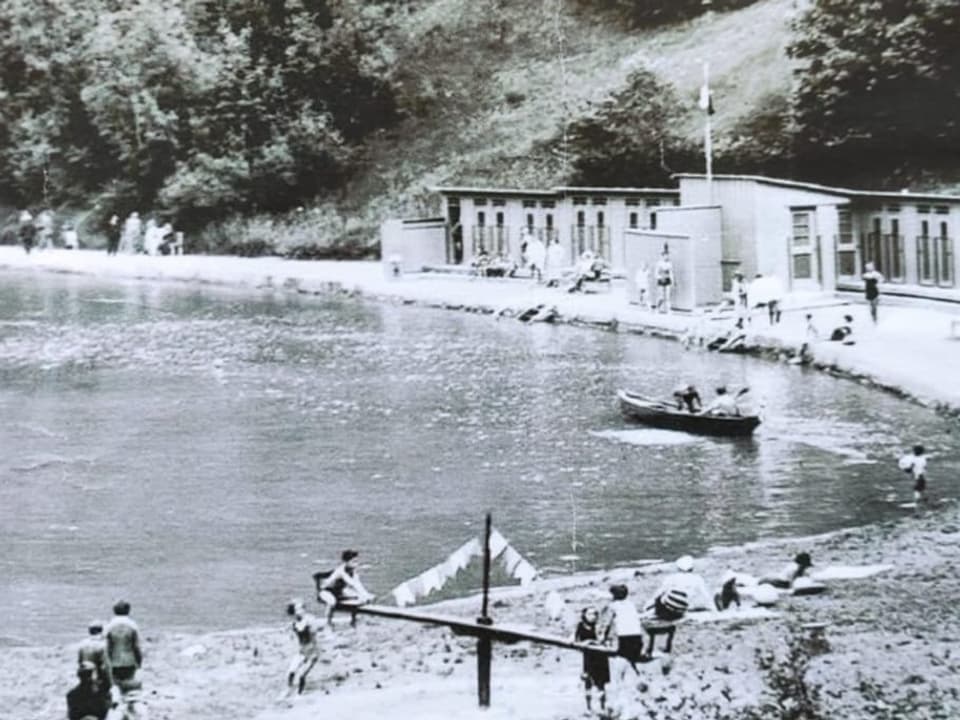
x,y
696,264
417,242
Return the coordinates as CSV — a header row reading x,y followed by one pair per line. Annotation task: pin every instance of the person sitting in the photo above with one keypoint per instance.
x,y
789,574
728,594
684,580
844,333
87,700
732,338
341,586
481,262
723,404
687,395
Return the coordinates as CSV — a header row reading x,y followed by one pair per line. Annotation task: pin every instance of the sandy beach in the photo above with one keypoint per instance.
x,y
890,634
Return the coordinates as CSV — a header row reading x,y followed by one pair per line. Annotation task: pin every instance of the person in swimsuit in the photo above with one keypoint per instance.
x,y
342,585
305,627
871,290
596,666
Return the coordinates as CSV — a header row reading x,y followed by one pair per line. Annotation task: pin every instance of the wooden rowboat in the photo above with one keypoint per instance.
x,y
661,415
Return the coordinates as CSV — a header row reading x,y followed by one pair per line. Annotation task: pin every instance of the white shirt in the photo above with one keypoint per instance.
x,y
915,463
626,619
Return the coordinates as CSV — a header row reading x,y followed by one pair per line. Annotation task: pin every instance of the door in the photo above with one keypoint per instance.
x,y
804,252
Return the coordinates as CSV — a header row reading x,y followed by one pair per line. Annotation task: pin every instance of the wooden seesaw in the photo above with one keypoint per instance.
x,y
483,628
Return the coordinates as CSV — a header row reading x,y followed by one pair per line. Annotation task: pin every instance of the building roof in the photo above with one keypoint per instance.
x,y
826,189
553,192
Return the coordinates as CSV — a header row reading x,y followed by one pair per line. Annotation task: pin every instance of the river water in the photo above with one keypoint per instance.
x,y
200,451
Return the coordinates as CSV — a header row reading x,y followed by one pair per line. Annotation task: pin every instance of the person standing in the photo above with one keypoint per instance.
x,y
664,275
123,646
916,465
132,241
113,235
596,666
625,626
341,585
871,288
555,262
641,281
93,650
27,231
305,627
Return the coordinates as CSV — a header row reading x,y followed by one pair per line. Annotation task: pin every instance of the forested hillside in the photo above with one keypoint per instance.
x,y
285,125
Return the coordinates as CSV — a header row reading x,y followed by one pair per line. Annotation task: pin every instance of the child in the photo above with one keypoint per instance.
x,y
596,666
916,464
305,627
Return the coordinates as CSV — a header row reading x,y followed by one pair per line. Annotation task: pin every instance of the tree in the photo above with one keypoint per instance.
x,y
630,139
878,87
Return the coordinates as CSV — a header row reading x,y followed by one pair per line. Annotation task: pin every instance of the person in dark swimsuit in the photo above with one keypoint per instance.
x,y
596,666
871,289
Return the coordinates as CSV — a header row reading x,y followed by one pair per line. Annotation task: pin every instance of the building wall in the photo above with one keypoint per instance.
x,y
417,242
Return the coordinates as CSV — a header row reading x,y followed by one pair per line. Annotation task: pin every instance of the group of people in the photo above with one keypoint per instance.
x,y
41,231
632,631
664,280
687,397
335,588
133,237
107,664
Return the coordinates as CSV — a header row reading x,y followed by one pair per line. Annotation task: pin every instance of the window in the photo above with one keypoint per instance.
x,y
893,208
498,202
676,201
943,230
653,221
895,227
453,202
548,203
600,219
801,230
632,202
530,221
942,210
653,202
924,229
499,219
923,209
479,201
845,227
581,219
549,220
481,219
529,203
579,201
599,201
633,220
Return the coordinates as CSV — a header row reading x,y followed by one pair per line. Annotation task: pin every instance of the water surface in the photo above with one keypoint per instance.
x,y
201,451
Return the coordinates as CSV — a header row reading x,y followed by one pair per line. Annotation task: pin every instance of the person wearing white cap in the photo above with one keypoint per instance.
x,y
685,581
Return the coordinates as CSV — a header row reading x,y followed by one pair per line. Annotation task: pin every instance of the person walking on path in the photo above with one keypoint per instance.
x,y
123,647
305,627
871,288
27,231
596,666
341,585
93,650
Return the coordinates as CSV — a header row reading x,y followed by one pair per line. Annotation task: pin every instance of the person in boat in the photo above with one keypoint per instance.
x,y
723,404
687,396
341,586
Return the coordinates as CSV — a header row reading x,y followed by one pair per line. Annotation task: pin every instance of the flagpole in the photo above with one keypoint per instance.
x,y
708,131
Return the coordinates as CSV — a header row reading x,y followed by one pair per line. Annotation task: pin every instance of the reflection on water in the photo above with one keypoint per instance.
x,y
200,451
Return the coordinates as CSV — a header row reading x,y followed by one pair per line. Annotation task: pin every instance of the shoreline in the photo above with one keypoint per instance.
x,y
876,625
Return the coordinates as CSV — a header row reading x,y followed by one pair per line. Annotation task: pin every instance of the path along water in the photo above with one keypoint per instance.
x,y
201,451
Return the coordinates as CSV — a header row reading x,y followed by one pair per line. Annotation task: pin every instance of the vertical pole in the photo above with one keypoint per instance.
x,y
484,643
707,131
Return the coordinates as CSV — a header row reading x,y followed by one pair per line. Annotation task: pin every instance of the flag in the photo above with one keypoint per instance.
x,y
706,100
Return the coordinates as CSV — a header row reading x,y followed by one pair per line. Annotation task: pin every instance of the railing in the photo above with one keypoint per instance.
x,y
935,261
595,238
494,240
886,252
